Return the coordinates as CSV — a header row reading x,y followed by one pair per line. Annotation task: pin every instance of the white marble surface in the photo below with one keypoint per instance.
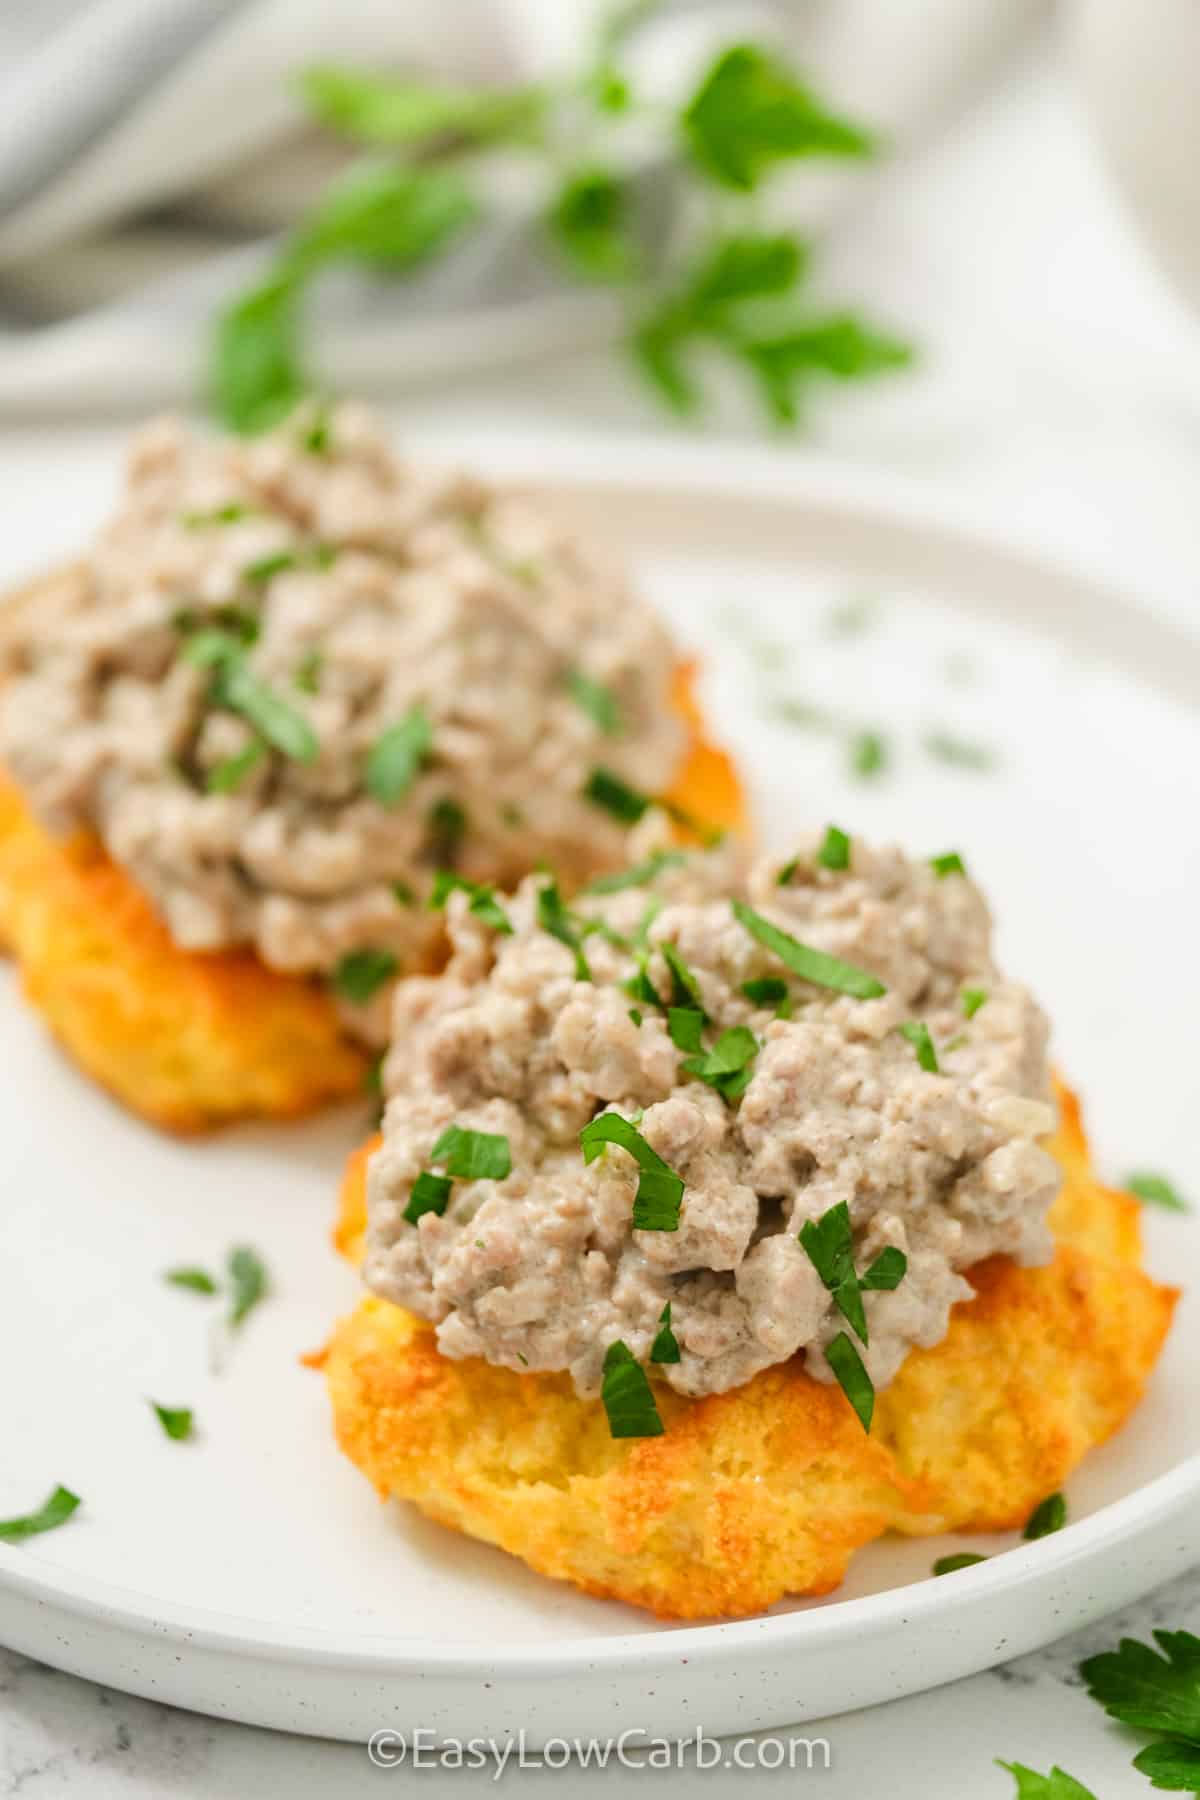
x,y
1062,389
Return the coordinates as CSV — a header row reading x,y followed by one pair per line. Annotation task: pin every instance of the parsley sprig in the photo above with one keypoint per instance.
x,y
722,285
1155,1690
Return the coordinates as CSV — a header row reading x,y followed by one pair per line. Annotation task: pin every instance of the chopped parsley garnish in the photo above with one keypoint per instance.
x,y
659,1191
395,759
1049,1516
627,1395
176,1421
960,753
229,514
949,863
835,850
685,989
852,1377
238,689
307,676
49,1516
318,556
868,755
208,632
317,437
810,965
1157,1190
829,1243
685,1026
228,775
196,1281
430,1193
473,1155
597,701
483,902
641,936
788,870
665,1348
726,1067
917,1033
606,790
1057,1785
972,999
954,1043
554,916
404,893
768,990
247,1283
447,829
961,1559
373,1088
360,974
638,875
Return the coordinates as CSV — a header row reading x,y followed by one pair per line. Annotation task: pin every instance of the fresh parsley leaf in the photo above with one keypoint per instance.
x,y
972,999
1057,1785
685,1025
597,701
247,1283
404,893
307,675
360,974
483,902
196,1281
726,1067
390,110
852,1377
627,1396
590,223
638,875
1171,1765
1157,1190
784,877
554,916
962,1559
386,215
886,1272
868,755
635,1015
604,789
255,376
810,965
49,1516
961,753
396,758
665,1348
917,1033
768,990
228,775
1049,1516
750,112
835,850
176,1421
279,562
949,863
659,1194
842,347
1155,1691
430,1193
685,989
473,1155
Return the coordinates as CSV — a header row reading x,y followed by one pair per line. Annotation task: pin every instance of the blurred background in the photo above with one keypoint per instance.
x,y
965,233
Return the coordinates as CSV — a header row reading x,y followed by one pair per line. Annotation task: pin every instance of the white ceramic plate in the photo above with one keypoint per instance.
x,y
252,1573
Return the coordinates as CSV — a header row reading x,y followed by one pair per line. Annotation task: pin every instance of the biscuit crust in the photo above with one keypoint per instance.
x,y
769,1489
195,1041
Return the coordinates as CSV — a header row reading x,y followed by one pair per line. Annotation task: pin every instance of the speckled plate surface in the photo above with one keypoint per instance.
x,y
252,1573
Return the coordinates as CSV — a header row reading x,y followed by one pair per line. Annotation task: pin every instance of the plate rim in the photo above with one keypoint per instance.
x,y
852,498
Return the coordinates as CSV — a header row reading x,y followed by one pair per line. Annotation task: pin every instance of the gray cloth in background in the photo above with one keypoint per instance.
x,y
148,148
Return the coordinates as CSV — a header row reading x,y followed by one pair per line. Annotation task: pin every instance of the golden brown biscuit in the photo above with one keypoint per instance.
x,y
192,1041
767,1490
